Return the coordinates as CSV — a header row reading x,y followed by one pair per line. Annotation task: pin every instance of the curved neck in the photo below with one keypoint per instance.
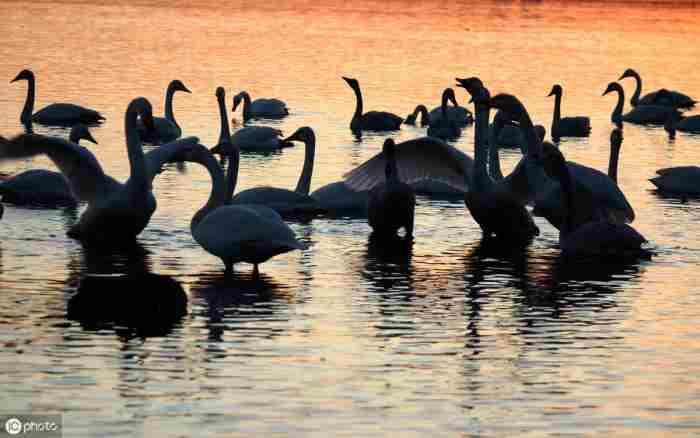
x,y
557,110
358,104
494,159
481,177
568,191
217,195
74,136
224,132
637,90
443,105
617,112
246,105
169,105
424,116
28,110
232,174
612,164
304,183
534,145
137,163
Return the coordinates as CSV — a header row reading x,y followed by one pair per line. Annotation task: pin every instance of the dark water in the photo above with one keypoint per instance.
x,y
451,337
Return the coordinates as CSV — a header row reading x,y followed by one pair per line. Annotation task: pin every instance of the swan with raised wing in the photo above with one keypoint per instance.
x,y
371,120
166,128
116,212
43,187
641,114
259,108
567,126
56,114
674,99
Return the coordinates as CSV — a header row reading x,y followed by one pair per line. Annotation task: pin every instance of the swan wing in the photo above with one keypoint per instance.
x,y
603,188
85,176
257,137
418,159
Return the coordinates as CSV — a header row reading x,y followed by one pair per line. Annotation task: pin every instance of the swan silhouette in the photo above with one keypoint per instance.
x,y
372,120
424,117
641,114
680,181
166,128
57,114
567,126
673,99
259,108
445,127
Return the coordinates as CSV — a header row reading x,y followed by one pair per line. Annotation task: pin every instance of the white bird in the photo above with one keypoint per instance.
x,y
57,114
673,99
116,212
371,120
166,128
40,186
259,108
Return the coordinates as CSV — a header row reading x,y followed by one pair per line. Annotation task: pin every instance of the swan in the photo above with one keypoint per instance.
x,y
259,139
338,198
116,212
567,126
286,201
59,114
676,122
392,203
166,128
41,186
235,233
600,194
682,180
674,99
459,115
424,117
599,237
641,114
445,127
509,135
372,120
491,203
267,108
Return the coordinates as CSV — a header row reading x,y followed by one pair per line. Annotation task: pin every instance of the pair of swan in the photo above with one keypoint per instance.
x,y
282,201
57,114
259,108
672,99
43,187
371,120
457,114
567,126
166,128
640,114
445,127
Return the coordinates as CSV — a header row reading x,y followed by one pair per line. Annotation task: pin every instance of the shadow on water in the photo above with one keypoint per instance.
x,y
388,267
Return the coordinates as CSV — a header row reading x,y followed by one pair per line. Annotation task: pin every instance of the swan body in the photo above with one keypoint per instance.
x,y
424,117
338,197
458,115
445,127
567,126
682,180
40,186
259,139
391,204
595,238
673,99
641,114
372,120
260,108
57,114
166,128
677,122
509,135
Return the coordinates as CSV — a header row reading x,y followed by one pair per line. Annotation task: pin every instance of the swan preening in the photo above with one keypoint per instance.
x,y
371,120
43,187
672,99
567,126
424,117
166,128
57,114
259,108
641,114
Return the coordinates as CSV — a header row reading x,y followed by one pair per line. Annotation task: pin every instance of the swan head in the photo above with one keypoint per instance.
x,y
616,138
220,93
556,91
509,104
81,132
410,119
225,149
613,86
25,74
143,108
471,84
303,134
237,99
352,82
449,95
629,73
177,85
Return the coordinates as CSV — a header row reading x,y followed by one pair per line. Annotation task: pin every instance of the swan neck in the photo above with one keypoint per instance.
x,y
304,183
217,195
481,177
494,159
637,89
169,105
358,104
613,162
247,104
568,192
28,110
557,110
534,146
424,116
224,132
617,112
137,162
232,175
443,105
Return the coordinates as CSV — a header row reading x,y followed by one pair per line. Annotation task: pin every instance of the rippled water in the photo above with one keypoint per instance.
x,y
449,337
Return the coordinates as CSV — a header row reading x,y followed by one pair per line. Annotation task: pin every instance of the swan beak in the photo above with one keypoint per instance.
x,y
624,75
551,93
90,138
17,78
291,138
186,90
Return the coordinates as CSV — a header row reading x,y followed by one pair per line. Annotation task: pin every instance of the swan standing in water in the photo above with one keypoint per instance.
x,y
259,108
596,194
594,238
57,114
166,128
372,120
445,127
43,187
491,203
673,99
424,117
641,114
567,126
116,212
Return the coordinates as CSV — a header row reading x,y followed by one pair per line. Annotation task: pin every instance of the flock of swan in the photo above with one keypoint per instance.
x,y
586,205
